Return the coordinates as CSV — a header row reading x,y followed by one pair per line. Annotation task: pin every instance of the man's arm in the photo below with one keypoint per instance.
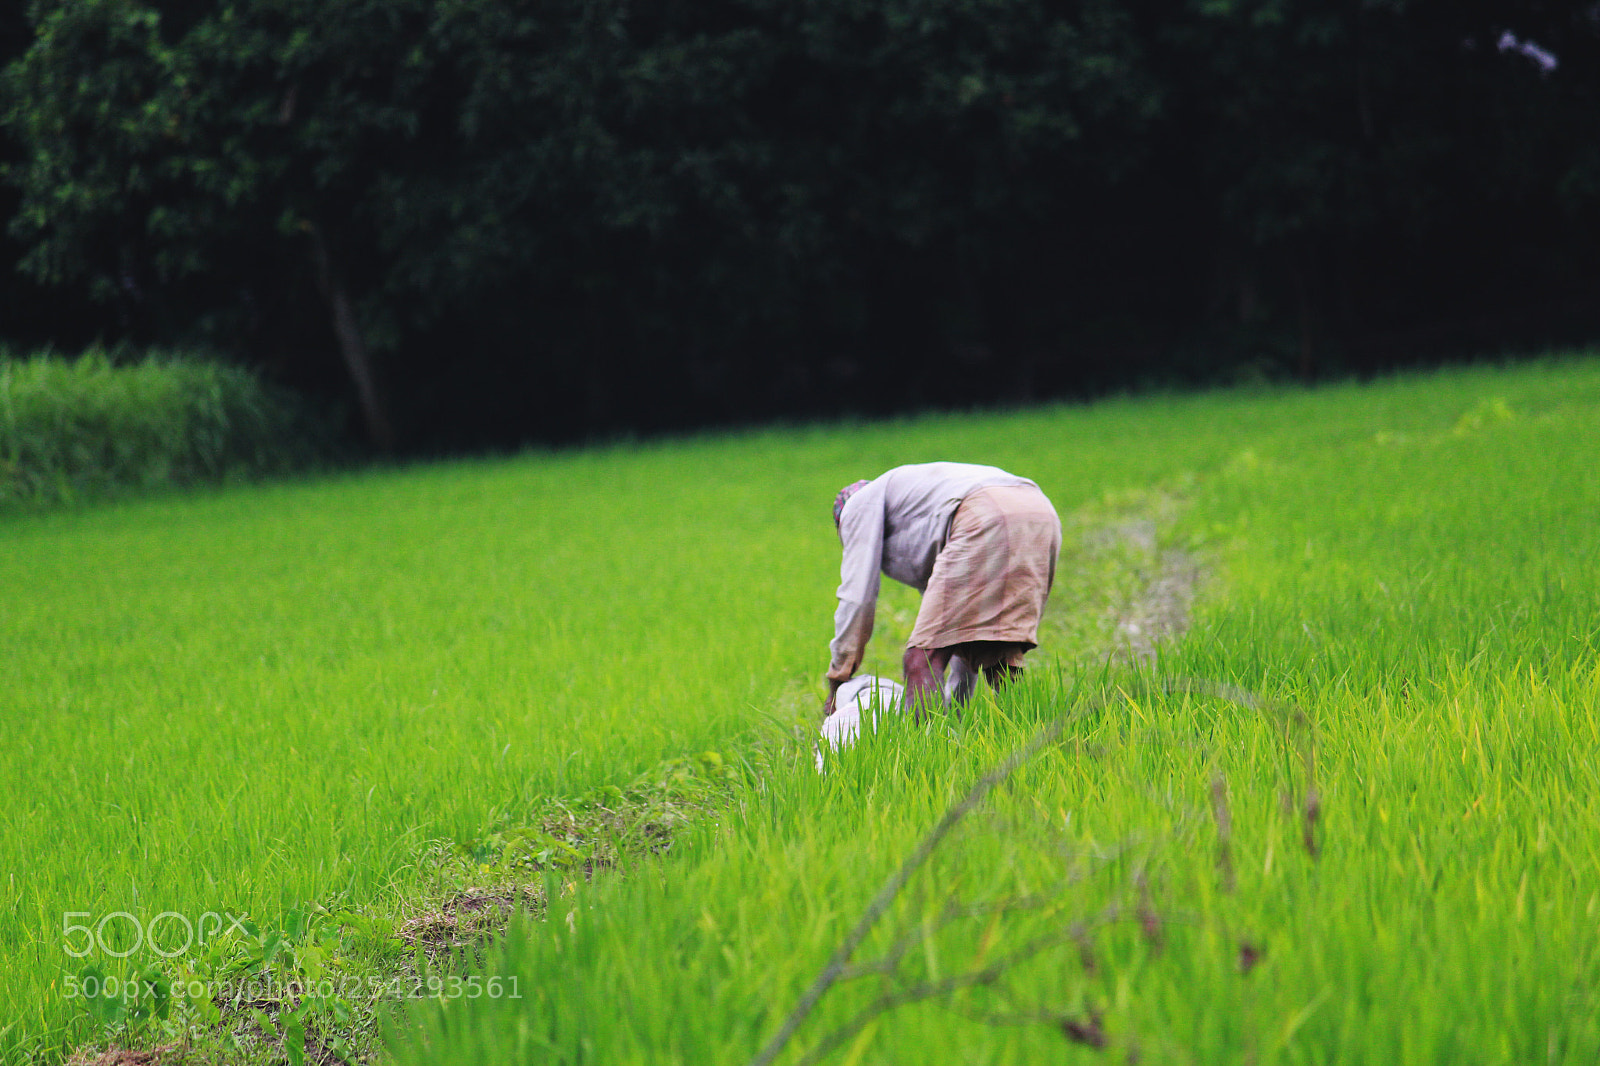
x,y
860,571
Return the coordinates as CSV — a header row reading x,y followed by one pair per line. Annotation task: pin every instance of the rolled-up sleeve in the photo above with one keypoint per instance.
x,y
861,530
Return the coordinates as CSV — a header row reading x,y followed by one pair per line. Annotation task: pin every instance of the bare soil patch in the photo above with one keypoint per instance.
x,y
1159,613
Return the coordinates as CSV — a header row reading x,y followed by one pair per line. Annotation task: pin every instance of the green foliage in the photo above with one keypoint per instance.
x,y
753,205
588,173
757,205
91,425
456,133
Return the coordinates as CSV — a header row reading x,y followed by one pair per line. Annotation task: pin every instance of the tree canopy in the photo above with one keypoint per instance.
x,y
493,220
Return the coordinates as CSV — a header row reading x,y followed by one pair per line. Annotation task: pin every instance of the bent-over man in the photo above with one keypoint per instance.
x,y
978,543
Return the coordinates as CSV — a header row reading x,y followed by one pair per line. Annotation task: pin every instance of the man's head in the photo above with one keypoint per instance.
x,y
844,495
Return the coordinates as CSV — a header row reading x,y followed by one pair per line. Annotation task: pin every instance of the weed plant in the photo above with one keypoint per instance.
x,y
290,701
97,424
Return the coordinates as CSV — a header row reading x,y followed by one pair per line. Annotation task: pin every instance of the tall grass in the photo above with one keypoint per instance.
x,y
94,424
270,695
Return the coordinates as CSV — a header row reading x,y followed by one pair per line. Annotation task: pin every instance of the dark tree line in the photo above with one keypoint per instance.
x,y
484,221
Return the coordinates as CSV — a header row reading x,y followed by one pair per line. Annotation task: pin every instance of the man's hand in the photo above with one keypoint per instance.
x,y
829,705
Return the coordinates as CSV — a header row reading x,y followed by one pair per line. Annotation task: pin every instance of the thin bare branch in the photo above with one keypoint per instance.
x,y
951,913
913,862
838,967
1219,810
891,1001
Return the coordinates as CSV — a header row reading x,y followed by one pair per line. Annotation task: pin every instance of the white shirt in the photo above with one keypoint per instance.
x,y
896,525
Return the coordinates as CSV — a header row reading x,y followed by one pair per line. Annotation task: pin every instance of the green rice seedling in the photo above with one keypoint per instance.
x,y
1348,818
346,696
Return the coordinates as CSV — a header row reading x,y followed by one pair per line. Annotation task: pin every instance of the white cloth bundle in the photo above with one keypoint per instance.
x,y
859,697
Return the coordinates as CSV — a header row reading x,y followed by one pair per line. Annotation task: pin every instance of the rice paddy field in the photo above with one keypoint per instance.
x,y
1349,815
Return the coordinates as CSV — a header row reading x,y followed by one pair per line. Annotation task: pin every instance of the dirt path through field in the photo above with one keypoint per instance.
x,y
1160,611
1126,579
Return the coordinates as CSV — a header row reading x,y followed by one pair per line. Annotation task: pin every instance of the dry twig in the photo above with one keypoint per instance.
x,y
1088,1031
